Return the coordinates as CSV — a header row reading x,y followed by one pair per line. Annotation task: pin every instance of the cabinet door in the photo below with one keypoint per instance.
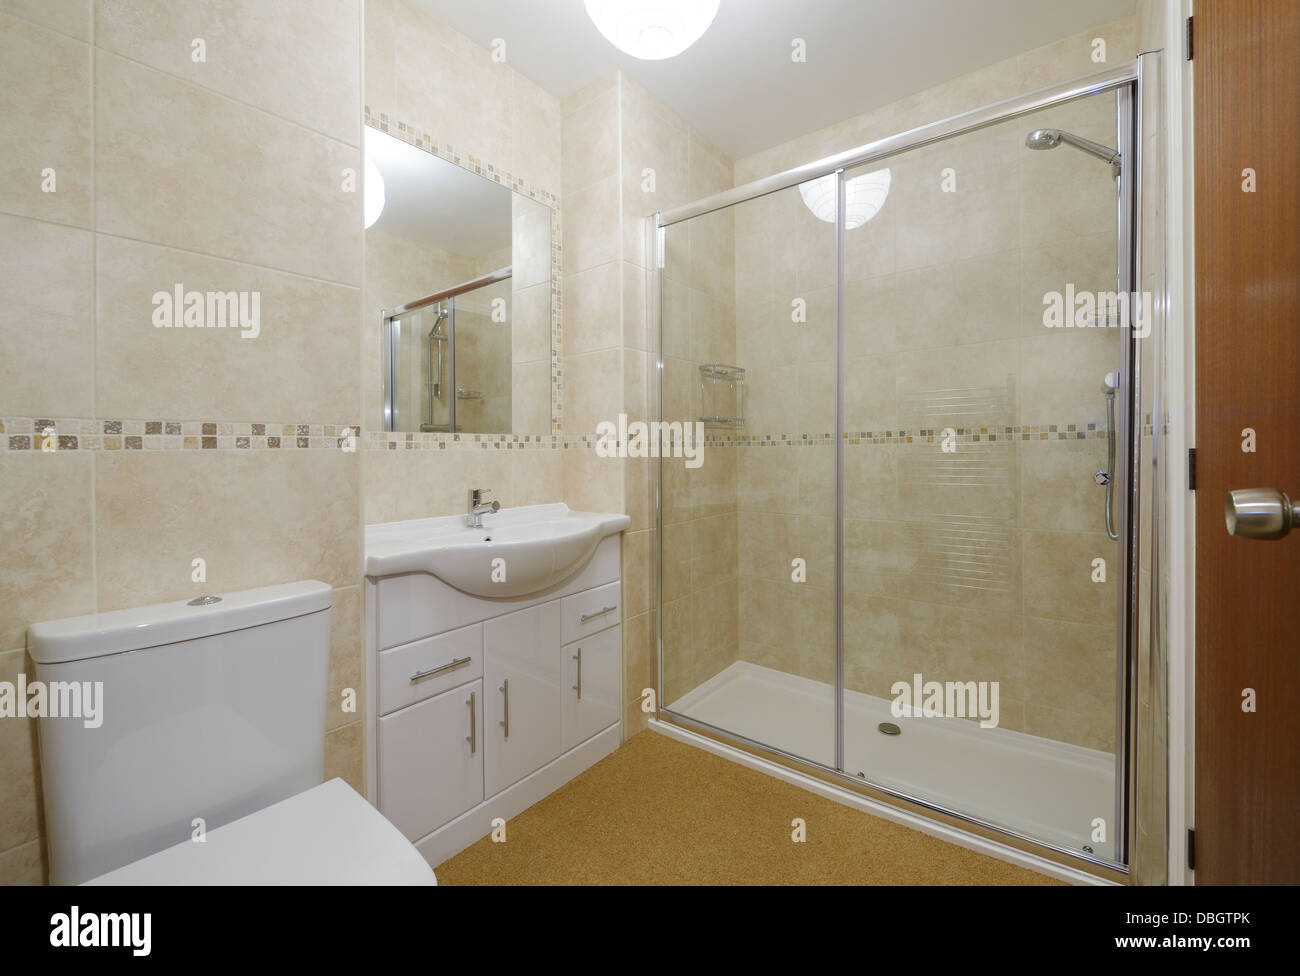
x,y
431,760
593,676
521,684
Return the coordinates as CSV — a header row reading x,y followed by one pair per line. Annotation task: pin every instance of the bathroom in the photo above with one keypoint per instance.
x,y
329,327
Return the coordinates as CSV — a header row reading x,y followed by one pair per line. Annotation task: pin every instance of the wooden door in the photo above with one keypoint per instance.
x,y
1246,70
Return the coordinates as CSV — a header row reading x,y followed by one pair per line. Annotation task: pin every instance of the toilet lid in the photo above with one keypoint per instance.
x,y
328,835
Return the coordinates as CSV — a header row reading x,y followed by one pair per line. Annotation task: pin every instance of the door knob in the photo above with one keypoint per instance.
x,y
1259,513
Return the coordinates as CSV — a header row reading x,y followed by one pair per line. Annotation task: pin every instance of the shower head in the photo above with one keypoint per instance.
x,y
1051,138
434,333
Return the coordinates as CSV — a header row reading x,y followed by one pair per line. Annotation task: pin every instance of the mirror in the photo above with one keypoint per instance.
x,y
458,276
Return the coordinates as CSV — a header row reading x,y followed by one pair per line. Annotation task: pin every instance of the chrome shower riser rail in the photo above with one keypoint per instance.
x,y
1008,108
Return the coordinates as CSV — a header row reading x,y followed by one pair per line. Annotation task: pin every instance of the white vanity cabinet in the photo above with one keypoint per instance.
x,y
476,721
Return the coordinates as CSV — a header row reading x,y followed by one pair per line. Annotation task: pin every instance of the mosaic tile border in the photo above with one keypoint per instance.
x,y
42,434
423,140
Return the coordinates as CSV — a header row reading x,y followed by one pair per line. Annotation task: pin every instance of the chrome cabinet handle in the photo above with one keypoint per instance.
x,y
505,690
1260,513
599,613
472,738
459,662
578,687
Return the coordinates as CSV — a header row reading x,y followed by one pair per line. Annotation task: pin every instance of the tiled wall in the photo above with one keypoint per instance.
x,y
175,444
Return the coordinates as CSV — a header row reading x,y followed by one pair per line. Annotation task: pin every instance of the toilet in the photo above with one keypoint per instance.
x,y
198,748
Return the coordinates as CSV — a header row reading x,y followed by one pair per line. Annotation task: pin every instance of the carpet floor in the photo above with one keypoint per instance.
x,y
659,812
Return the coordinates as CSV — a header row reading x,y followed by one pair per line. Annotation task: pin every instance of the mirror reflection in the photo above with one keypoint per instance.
x,y
458,274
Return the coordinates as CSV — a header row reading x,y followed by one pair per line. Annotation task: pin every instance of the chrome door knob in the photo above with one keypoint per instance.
x,y
1102,478
1259,513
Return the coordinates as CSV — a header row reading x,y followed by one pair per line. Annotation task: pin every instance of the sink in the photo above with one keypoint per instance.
x,y
533,547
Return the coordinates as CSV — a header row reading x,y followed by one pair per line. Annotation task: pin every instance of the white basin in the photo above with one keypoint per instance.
x,y
537,545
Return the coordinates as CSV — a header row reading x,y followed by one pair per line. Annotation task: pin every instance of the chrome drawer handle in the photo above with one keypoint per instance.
x,y
578,687
459,662
505,721
599,613
472,738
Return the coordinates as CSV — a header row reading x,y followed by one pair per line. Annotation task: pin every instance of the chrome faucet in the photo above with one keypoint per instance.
x,y
478,507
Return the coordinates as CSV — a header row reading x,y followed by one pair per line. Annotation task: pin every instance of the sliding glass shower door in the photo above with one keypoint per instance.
x,y
908,563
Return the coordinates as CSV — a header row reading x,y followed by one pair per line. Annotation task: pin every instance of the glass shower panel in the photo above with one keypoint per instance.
x,y
748,537
979,597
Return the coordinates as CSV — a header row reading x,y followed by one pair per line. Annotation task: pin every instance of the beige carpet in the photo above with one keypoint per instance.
x,y
657,811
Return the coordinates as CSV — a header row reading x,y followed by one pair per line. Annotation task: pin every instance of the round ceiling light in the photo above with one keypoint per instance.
x,y
373,192
863,197
652,29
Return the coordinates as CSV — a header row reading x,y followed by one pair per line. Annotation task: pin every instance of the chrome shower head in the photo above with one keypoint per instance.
x,y
1043,139
1051,138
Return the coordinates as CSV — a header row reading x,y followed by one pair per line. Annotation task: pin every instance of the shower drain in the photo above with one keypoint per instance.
x,y
889,728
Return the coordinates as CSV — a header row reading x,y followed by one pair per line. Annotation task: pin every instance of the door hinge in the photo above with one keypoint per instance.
x,y
1191,849
1191,469
1187,40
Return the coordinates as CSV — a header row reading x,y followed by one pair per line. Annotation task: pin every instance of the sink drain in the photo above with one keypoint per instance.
x,y
889,728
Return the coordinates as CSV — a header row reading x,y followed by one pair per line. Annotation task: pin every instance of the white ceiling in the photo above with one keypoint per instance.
x,y
437,203
738,84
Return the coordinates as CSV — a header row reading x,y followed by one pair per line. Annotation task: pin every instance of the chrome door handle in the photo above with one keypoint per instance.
x,y
1259,513
459,662
578,687
505,721
472,738
599,613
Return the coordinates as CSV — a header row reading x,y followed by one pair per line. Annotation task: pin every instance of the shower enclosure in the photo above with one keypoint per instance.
x,y
445,366
912,567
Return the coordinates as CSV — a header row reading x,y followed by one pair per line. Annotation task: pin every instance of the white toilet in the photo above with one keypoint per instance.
x,y
211,723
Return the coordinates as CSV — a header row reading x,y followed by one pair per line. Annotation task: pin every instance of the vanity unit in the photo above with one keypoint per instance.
x,y
493,665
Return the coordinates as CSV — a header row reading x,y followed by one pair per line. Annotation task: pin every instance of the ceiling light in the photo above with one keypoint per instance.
x,y
652,29
863,197
373,192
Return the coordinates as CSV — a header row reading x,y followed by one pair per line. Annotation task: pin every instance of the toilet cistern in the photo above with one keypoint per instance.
x,y
478,507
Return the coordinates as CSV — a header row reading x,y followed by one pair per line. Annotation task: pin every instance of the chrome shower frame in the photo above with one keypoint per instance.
x,y
1128,81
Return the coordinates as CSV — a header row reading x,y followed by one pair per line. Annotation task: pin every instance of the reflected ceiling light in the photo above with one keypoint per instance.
x,y
373,192
652,29
863,197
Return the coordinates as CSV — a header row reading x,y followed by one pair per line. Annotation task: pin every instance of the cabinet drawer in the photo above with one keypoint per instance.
x,y
593,679
431,761
601,608
423,668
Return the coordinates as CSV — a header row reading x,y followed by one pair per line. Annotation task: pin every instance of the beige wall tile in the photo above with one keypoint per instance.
x,y
45,113
70,17
344,757
46,341
300,366
257,519
346,642
1059,576
592,483
245,45
197,196
23,865
47,571
593,390
20,800
591,225
591,309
